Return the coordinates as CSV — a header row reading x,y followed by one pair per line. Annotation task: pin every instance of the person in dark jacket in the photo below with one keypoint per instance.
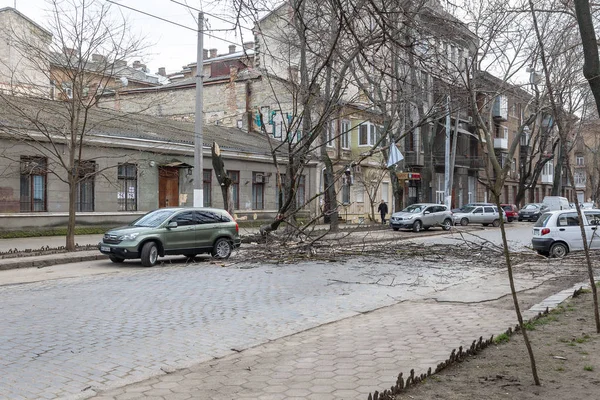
x,y
383,210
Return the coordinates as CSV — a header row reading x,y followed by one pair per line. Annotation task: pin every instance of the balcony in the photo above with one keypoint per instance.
x,y
412,158
500,108
547,178
477,163
501,143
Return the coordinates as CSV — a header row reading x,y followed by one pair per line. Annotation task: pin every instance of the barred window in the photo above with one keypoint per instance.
x,y
127,179
33,184
86,171
206,187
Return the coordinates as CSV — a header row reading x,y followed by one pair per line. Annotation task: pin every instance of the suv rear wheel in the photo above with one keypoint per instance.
x,y
222,248
447,224
496,223
149,254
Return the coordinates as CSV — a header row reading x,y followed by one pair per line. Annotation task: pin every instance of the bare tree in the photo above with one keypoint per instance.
x,y
87,50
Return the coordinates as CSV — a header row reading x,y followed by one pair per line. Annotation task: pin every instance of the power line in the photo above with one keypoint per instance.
x,y
212,15
169,21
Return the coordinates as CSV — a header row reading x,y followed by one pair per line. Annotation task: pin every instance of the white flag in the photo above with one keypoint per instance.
x,y
395,155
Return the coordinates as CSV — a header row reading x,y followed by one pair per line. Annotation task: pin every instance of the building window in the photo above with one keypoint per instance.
x,y
127,181
207,187
301,191
360,194
346,134
331,134
85,186
33,183
235,188
367,135
346,191
67,90
258,191
580,161
579,177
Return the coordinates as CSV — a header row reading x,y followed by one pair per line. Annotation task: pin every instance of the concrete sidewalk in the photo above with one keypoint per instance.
x,y
347,359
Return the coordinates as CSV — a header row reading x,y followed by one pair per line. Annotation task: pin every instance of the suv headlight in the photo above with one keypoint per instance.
x,y
129,236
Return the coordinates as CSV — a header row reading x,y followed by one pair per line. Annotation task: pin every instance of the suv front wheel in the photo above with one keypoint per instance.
x,y
222,248
149,254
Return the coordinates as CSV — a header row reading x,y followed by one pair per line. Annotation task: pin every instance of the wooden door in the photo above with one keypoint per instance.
x,y
168,187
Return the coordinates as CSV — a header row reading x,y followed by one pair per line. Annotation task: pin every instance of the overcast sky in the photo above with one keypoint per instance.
x,y
173,46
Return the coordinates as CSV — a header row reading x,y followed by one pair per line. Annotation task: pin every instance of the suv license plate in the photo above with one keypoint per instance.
x,y
105,248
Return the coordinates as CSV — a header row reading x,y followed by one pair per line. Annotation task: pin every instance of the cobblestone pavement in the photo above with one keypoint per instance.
x,y
66,337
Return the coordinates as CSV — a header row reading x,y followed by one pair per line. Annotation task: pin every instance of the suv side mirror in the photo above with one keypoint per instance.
x,y
426,212
172,224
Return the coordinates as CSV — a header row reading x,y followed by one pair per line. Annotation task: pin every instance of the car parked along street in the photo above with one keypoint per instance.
x,y
556,233
532,211
422,216
173,231
510,211
484,215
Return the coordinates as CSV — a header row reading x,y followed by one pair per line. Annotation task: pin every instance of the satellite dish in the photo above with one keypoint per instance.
x,y
124,81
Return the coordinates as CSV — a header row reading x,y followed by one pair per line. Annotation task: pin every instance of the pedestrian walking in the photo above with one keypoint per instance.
x,y
383,210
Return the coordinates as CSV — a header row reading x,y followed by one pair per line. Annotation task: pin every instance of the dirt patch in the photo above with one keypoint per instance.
x,y
567,352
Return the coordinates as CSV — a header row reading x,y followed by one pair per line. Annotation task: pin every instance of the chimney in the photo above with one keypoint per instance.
x,y
213,53
69,52
231,48
248,46
137,64
162,71
98,58
204,54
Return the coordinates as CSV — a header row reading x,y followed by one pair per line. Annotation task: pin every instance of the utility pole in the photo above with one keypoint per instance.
x,y
447,165
199,119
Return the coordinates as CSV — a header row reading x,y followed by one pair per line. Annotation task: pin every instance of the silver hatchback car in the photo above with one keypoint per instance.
x,y
484,215
422,216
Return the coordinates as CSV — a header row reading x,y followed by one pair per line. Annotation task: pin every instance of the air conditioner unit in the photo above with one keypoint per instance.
x,y
259,178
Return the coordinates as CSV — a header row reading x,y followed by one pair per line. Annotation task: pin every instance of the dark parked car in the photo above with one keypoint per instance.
x,y
511,211
168,231
532,211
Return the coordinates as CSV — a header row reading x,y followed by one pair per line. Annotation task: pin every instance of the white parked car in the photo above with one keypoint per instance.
x,y
556,233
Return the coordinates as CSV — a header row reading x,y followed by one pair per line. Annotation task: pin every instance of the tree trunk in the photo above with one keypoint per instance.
x,y
591,66
222,177
70,242
511,280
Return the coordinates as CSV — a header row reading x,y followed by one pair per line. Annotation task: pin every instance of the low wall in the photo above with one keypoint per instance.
x,y
31,221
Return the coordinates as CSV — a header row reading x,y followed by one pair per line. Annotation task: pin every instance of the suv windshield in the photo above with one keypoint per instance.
x,y
415,208
467,209
153,219
543,220
507,208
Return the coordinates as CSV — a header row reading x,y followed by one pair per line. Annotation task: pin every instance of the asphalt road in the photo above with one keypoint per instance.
x,y
68,328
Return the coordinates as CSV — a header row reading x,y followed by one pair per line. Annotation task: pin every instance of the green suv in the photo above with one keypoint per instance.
x,y
169,231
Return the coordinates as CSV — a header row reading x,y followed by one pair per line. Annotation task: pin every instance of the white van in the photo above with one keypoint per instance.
x,y
556,203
